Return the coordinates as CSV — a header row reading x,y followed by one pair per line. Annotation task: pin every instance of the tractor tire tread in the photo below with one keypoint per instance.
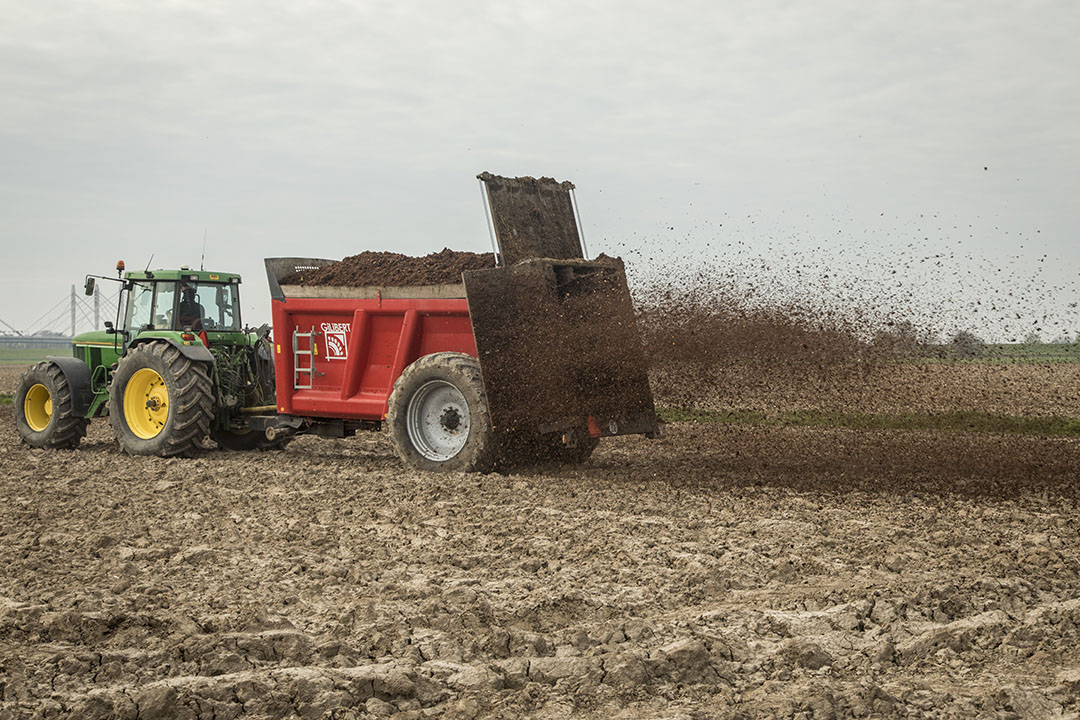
x,y
192,403
479,453
69,428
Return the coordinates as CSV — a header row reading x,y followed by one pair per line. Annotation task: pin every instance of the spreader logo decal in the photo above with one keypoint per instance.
x,y
337,340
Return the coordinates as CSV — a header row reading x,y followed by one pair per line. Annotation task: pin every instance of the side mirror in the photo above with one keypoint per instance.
x,y
88,289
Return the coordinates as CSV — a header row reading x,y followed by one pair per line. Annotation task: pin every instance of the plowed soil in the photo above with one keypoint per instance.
x,y
720,572
394,269
9,377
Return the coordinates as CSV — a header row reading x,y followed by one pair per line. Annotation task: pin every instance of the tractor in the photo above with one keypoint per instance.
x,y
176,367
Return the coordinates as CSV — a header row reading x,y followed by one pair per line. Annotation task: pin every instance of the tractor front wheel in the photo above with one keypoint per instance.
x,y
160,402
438,415
44,412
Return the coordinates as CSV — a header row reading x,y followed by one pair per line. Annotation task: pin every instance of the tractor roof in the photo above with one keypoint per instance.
x,y
183,274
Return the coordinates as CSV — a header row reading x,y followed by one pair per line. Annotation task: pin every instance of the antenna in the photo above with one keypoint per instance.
x,y
202,260
148,262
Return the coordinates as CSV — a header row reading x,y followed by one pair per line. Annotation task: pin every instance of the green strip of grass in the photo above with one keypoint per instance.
x,y
28,356
968,421
6,399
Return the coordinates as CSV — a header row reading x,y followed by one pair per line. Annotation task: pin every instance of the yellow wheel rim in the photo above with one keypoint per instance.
x,y
37,407
146,403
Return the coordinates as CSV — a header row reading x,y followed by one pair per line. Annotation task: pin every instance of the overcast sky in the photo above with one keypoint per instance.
x,y
840,139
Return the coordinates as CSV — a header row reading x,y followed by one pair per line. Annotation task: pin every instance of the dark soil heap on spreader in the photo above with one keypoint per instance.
x,y
394,269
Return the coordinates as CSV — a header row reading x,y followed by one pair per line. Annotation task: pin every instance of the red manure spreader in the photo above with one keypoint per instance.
x,y
533,359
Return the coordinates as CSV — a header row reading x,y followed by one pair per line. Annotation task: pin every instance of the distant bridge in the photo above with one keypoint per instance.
x,y
34,341
71,315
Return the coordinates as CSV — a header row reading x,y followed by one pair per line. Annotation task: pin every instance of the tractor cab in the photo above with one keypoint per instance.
x,y
183,301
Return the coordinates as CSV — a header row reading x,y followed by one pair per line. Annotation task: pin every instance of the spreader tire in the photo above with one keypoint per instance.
x,y
44,413
160,401
438,415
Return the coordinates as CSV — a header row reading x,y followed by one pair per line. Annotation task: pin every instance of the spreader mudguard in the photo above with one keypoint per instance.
x,y
559,349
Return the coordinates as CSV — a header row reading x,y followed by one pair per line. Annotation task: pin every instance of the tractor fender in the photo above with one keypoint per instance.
x,y
77,375
198,352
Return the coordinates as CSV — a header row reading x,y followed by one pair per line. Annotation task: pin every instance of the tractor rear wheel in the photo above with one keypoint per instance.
x,y
160,402
44,411
438,415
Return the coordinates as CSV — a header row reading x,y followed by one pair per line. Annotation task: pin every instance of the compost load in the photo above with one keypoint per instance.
x,y
394,269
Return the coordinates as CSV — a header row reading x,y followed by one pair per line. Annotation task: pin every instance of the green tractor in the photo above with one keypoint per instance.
x,y
178,369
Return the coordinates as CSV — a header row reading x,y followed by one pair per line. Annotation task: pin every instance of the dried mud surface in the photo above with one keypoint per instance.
x,y
720,572
394,269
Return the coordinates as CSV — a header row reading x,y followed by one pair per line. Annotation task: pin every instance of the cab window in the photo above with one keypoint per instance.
x,y
150,306
219,305
140,304
164,301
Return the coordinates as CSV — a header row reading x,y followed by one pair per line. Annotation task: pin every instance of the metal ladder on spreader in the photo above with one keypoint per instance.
x,y
298,368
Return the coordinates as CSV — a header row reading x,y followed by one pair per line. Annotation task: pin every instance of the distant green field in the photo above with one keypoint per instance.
x,y
26,356
1008,353
1047,351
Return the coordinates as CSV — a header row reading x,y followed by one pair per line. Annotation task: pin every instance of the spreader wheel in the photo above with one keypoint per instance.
x,y
438,415
44,412
160,402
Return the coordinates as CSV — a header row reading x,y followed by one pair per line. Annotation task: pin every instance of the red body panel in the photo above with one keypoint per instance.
x,y
362,347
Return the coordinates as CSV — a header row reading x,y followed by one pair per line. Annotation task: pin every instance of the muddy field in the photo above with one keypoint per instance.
x,y
9,378
720,572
